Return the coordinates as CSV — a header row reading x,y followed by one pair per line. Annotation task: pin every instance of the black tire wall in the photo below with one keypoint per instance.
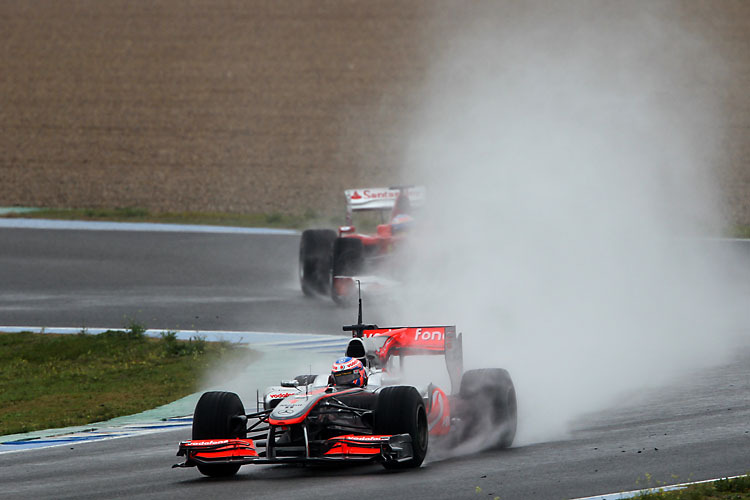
x,y
315,254
214,419
400,410
489,392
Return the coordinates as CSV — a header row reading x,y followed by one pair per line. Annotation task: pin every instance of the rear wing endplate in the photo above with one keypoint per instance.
x,y
454,359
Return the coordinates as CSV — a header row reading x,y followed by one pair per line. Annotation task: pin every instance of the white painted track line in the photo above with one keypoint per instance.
x,y
308,341
637,493
77,225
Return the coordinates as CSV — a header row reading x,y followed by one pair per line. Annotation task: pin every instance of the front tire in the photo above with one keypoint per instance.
x,y
400,410
215,418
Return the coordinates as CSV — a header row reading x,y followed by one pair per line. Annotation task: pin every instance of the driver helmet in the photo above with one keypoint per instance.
x,y
401,223
348,371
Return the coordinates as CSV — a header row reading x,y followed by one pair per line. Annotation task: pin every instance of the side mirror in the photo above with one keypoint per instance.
x,y
289,383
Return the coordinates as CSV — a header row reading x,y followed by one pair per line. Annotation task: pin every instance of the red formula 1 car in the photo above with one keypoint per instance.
x,y
313,420
330,262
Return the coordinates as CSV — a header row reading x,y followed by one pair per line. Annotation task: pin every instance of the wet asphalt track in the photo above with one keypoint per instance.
x,y
162,280
689,431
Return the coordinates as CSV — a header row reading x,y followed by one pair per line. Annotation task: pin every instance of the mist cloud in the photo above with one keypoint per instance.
x,y
569,149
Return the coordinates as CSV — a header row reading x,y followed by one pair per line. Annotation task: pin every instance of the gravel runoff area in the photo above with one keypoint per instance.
x,y
254,106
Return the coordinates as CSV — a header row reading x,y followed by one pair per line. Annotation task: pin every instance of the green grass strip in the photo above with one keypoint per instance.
x,y
49,381
724,489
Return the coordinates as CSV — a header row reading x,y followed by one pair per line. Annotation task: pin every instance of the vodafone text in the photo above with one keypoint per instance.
x,y
420,334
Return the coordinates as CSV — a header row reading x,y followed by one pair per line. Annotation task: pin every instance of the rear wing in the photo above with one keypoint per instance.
x,y
383,198
418,340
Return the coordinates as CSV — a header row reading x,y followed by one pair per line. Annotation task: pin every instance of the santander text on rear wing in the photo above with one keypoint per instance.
x,y
383,198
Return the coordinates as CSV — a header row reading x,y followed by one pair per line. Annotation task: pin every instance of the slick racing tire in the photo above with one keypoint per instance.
x,y
315,249
348,260
491,396
400,410
215,418
348,256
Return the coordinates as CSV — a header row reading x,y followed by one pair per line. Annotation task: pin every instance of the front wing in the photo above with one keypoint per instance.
x,y
348,448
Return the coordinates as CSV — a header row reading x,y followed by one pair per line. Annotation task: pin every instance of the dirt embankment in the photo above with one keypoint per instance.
x,y
225,105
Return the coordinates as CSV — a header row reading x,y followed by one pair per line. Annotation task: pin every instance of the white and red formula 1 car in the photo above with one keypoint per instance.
x,y
330,262
312,420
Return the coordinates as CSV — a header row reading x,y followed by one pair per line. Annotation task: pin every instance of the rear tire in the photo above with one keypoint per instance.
x,y
214,419
400,410
315,249
348,260
348,256
490,391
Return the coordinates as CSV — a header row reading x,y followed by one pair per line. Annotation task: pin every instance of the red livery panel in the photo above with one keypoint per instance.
x,y
353,444
209,450
411,340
